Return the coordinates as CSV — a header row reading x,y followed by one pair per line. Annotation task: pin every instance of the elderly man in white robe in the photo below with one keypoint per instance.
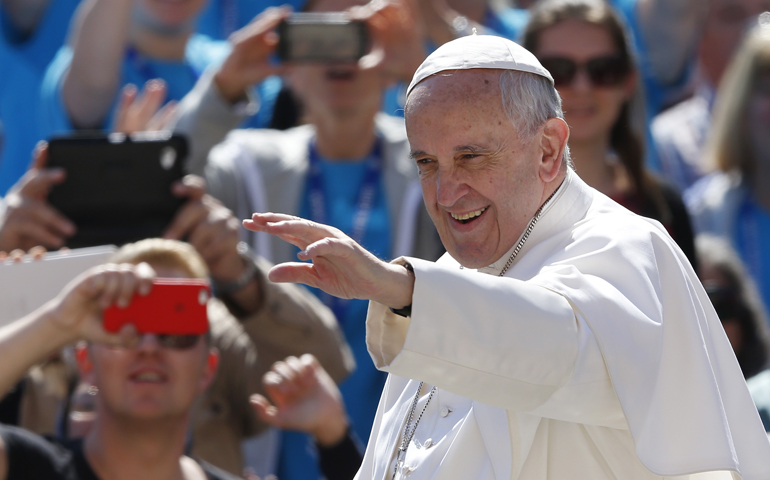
x,y
561,336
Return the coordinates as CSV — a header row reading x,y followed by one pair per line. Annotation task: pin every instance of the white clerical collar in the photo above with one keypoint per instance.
x,y
497,267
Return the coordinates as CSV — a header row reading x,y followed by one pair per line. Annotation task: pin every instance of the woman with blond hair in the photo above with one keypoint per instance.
x,y
733,202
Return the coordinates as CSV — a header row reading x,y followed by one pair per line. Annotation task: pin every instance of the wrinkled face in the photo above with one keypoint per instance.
x,y
337,89
480,183
150,381
168,16
590,110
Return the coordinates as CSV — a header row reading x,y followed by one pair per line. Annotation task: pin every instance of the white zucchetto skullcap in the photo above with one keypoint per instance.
x,y
478,51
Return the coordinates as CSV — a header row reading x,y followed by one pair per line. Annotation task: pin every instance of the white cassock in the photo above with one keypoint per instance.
x,y
597,356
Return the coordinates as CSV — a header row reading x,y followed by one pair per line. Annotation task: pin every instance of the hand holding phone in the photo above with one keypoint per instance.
x,y
173,307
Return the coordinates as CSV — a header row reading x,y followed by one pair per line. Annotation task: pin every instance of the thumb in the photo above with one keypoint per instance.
x,y
40,155
38,182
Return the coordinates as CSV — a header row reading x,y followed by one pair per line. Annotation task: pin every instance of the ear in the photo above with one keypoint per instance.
x,y
552,144
84,362
210,371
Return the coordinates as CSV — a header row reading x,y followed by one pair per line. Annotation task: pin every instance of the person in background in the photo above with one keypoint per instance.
x,y
31,32
737,302
733,202
584,46
680,134
115,43
147,385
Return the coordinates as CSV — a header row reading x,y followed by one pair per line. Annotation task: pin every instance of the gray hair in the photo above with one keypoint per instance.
x,y
529,100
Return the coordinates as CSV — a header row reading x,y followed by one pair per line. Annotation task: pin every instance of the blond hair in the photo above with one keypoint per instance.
x,y
161,252
728,147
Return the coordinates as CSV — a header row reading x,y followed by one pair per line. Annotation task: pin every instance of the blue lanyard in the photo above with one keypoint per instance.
x,y
148,71
319,206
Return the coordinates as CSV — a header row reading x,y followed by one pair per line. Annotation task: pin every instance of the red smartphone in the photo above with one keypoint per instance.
x,y
173,307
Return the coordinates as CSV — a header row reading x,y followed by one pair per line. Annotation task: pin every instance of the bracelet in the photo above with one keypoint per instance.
x,y
407,310
248,274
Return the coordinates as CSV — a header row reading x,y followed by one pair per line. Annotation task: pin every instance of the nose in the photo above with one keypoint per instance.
x,y
449,187
581,82
148,343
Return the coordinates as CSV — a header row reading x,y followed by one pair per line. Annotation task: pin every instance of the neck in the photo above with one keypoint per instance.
x,y
348,138
590,159
120,449
159,45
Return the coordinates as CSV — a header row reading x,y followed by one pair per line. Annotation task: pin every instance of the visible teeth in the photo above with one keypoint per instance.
x,y
148,377
468,216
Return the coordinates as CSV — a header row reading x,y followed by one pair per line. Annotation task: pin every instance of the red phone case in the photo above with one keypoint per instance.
x,y
173,307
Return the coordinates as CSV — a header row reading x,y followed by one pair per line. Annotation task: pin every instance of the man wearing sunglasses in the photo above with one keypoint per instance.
x,y
147,386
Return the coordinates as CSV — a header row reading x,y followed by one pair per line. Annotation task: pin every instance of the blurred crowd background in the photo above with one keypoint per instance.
x,y
668,102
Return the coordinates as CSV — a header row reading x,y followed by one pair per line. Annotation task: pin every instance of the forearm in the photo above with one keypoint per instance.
x,y
27,341
670,29
100,39
471,331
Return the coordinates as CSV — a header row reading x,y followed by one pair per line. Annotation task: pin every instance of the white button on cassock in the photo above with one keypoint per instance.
x,y
428,443
444,412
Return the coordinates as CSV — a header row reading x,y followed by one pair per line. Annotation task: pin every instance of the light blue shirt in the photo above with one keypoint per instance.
x,y
180,77
22,65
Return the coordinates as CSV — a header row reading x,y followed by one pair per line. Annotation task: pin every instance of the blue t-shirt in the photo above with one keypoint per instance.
x,y
341,182
180,78
22,65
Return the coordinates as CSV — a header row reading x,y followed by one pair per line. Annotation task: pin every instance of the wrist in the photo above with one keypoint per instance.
x,y
242,277
401,281
331,434
232,92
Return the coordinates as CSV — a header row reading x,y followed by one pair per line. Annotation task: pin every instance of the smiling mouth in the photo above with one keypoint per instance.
x,y
468,217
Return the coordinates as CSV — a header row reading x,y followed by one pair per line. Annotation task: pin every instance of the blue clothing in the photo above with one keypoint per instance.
x,y
752,229
361,391
220,18
180,78
658,96
23,62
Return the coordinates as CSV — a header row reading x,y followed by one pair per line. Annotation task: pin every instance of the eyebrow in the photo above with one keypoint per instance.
x,y
461,148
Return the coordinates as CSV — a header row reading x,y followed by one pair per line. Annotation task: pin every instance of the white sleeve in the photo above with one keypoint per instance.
x,y
500,341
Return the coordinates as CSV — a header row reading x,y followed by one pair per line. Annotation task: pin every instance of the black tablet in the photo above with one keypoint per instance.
x,y
118,187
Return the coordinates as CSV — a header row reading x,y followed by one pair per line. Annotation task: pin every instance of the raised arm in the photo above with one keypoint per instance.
x,y
76,313
99,38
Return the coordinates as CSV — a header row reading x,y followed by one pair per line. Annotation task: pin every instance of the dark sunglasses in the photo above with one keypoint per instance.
x,y
175,342
602,71
178,342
